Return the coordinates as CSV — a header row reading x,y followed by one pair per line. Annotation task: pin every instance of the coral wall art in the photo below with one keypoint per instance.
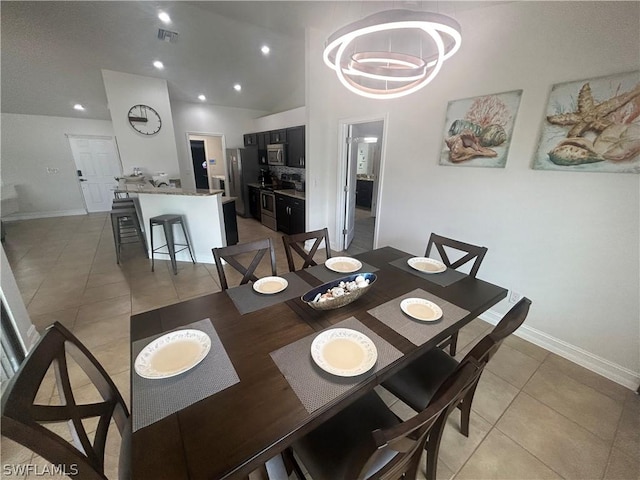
x,y
478,130
592,126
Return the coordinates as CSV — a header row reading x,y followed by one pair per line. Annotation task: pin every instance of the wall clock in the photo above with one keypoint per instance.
x,y
144,119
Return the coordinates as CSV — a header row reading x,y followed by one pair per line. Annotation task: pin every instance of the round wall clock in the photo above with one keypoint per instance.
x,y
144,119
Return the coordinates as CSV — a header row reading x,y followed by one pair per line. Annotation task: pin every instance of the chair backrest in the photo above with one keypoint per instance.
x,y
228,254
23,420
295,243
488,346
406,441
471,252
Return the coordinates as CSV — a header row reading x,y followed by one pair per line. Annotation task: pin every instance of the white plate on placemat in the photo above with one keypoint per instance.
x,y
427,265
344,352
421,309
270,285
343,264
172,354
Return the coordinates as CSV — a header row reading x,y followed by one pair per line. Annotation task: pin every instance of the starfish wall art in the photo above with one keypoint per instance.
x,y
592,125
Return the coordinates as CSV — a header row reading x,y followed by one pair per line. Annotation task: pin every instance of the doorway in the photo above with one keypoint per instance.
x,y
97,165
361,164
207,160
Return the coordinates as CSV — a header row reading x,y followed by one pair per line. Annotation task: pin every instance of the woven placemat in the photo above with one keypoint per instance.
x,y
415,331
156,399
325,275
247,300
444,279
315,387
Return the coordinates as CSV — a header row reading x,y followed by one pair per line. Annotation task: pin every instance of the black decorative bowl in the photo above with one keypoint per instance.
x,y
342,300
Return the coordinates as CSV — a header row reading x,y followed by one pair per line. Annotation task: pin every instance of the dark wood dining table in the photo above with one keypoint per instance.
x,y
230,433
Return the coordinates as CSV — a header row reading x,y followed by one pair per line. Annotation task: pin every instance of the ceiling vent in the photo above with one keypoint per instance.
x,y
167,35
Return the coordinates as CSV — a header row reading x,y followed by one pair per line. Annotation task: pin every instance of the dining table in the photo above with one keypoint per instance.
x,y
259,390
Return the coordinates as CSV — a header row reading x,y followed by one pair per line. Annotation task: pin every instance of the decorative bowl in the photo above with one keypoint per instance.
x,y
341,301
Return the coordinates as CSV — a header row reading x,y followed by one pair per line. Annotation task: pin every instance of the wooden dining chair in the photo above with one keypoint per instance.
x,y
295,243
417,383
25,421
260,248
368,441
469,253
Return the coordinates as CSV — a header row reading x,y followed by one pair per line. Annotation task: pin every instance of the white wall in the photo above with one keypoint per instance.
x,y
152,153
289,118
231,123
33,143
569,241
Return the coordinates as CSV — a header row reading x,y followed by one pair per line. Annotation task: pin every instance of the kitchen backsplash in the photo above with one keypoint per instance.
x,y
278,171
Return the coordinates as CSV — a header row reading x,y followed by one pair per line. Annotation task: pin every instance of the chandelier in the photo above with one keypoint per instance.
x,y
392,53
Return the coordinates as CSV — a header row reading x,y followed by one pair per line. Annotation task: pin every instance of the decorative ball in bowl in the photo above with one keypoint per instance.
x,y
339,292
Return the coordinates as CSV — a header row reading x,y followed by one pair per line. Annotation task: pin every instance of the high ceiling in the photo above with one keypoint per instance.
x,y
53,52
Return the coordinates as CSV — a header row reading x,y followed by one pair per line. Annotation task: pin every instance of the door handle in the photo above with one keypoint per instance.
x,y
83,179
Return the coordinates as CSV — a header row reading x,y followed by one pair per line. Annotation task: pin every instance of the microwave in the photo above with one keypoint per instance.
x,y
275,154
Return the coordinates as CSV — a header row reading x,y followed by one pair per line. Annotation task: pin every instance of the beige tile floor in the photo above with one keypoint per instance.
x,y
535,414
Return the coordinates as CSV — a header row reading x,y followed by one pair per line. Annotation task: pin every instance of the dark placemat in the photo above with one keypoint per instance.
x,y
444,279
415,331
247,300
156,399
325,275
315,387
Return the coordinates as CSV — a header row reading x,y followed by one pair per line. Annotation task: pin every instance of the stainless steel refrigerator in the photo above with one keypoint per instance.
x,y
243,169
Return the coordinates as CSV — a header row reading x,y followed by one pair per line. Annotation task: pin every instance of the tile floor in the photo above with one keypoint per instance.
x,y
535,414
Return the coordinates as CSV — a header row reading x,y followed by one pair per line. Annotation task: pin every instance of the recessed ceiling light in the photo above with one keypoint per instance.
x,y
77,106
237,87
164,17
158,64
202,97
265,49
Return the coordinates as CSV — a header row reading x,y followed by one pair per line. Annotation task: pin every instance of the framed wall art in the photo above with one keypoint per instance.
x,y
592,126
478,130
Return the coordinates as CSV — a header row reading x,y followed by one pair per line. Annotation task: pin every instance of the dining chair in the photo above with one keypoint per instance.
x,y
469,252
417,383
368,441
25,420
295,243
259,247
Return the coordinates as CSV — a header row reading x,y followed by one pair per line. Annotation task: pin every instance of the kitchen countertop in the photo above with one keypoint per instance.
x,y
194,192
285,191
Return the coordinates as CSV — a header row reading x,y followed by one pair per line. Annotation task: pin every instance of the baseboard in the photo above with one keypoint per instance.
x,y
599,365
33,215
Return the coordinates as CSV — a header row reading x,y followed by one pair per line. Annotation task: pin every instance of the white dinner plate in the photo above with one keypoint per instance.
x,y
270,285
172,354
427,265
343,264
421,309
344,352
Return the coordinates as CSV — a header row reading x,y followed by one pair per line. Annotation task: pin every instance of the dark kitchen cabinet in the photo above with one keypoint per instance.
x,y
254,202
295,147
264,139
230,221
364,193
250,139
290,214
278,136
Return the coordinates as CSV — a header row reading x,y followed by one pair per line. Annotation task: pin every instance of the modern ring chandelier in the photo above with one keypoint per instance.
x,y
393,53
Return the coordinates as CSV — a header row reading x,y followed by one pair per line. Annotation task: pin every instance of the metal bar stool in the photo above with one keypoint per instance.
x,y
167,222
126,226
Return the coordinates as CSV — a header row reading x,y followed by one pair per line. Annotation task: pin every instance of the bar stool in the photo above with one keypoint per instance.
x,y
125,226
167,222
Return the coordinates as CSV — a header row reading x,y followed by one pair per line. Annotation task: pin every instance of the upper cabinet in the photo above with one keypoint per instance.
x,y
250,139
278,136
295,147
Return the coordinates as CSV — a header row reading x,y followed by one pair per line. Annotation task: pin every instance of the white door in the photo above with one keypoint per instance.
x,y
350,189
98,166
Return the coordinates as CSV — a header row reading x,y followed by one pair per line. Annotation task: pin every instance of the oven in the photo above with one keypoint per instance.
x,y
268,209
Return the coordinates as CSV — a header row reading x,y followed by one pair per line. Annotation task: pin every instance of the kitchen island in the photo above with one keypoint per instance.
x,y
203,214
